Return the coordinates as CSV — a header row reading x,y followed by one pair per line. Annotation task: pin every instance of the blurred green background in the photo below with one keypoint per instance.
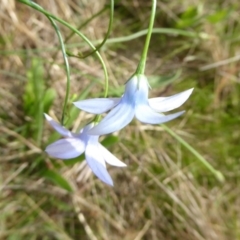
x,y
165,192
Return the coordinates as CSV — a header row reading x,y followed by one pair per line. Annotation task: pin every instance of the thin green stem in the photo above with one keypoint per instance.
x,y
85,23
38,92
142,63
216,173
40,9
72,33
171,31
66,66
107,34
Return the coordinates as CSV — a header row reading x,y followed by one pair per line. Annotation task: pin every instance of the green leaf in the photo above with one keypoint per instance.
x,y
217,17
110,140
33,99
188,18
71,162
57,179
190,13
48,99
34,88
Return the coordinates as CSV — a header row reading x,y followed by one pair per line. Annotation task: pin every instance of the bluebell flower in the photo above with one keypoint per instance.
x,y
74,144
134,102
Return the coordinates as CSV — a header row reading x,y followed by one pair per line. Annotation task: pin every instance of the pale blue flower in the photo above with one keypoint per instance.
x,y
134,102
74,144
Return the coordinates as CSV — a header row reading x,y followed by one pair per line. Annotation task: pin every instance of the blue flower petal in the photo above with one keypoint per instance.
x,y
146,115
115,120
96,162
110,158
164,104
60,129
97,105
66,148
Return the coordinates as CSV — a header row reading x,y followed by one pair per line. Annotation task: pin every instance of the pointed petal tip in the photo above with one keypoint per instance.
x,y
104,177
123,165
110,183
182,112
189,91
110,158
96,163
48,118
76,103
145,114
49,152
186,94
165,104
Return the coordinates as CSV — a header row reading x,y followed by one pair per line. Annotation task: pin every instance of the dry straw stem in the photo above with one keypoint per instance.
x,y
102,213
21,139
83,221
185,195
158,196
60,233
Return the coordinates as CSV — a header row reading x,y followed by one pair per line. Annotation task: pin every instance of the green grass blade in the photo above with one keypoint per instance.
x,y
215,172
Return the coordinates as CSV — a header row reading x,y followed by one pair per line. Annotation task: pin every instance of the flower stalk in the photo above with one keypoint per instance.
x,y
142,63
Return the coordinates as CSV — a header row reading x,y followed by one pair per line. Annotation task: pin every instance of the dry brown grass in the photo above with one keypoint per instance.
x,y
164,193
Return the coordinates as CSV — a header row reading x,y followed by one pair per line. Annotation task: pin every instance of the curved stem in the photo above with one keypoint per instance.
x,y
107,34
85,23
66,65
72,33
142,63
40,9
